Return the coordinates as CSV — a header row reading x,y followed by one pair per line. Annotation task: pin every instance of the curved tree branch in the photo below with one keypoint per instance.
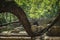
x,y
11,6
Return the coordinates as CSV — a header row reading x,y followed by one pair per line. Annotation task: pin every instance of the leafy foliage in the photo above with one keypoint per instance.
x,y
38,8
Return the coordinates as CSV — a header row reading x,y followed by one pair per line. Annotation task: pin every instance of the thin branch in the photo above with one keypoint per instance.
x,y
48,27
5,24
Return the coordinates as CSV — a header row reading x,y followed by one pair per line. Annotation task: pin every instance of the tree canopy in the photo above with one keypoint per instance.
x,y
39,8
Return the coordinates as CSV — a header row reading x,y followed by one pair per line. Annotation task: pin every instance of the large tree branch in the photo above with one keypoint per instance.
x,y
17,11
